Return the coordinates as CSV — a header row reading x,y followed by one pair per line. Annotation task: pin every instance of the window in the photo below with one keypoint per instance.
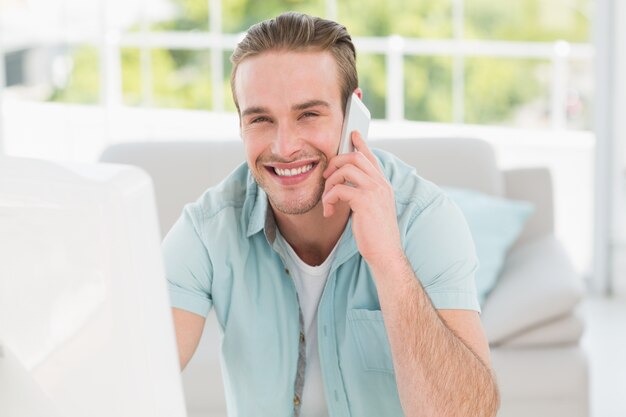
x,y
515,63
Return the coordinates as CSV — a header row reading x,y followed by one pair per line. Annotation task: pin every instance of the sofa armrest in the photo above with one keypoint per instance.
x,y
533,185
566,330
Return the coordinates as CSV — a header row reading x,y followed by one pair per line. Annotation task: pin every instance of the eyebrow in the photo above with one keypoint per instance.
x,y
253,110
295,107
309,104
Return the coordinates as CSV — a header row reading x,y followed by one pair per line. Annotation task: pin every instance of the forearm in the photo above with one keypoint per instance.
x,y
436,373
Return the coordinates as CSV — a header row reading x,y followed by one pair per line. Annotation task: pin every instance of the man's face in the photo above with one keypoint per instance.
x,y
291,119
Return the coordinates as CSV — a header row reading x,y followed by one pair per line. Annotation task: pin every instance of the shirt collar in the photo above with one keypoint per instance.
x,y
256,208
347,245
261,217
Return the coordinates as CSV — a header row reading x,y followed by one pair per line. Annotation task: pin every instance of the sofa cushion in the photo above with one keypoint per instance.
x,y
495,224
181,171
533,184
537,285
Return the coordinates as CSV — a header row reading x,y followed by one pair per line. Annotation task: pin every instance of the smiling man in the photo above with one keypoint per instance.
x,y
344,284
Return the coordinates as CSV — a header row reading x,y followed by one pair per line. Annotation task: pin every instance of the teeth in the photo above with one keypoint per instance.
x,y
292,172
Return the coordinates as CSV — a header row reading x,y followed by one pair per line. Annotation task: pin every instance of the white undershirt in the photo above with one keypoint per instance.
x,y
309,281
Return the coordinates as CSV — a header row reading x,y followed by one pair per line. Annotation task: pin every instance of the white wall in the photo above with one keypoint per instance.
x,y
618,259
2,85
610,129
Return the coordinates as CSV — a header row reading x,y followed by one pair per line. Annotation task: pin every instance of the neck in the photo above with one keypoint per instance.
x,y
311,235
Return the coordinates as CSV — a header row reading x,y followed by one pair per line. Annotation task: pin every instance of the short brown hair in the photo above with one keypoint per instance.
x,y
293,31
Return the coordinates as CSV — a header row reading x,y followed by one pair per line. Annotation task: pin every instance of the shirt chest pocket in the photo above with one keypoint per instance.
x,y
368,330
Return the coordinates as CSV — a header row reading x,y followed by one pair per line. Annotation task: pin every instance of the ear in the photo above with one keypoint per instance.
x,y
359,93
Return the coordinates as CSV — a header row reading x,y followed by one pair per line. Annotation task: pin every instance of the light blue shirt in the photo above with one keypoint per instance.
x,y
222,253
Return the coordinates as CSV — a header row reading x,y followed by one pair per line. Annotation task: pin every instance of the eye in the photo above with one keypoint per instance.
x,y
308,115
259,119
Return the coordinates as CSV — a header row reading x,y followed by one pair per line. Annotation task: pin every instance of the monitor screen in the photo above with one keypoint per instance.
x,y
85,323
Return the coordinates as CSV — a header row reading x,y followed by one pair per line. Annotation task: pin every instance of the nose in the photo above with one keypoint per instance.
x,y
286,141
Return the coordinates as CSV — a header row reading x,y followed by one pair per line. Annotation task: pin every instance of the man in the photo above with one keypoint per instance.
x,y
343,283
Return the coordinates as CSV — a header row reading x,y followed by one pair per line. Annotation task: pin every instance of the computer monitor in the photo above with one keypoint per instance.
x,y
85,323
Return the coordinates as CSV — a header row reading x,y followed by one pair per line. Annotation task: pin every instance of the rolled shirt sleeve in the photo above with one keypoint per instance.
x,y
188,266
440,248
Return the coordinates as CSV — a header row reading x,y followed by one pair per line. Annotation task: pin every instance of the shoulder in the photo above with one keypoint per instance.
x,y
435,234
413,193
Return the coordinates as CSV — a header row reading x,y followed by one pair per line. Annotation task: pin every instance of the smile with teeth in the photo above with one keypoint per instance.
x,y
294,171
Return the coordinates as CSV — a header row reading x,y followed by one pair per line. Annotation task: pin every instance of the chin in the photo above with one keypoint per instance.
x,y
296,206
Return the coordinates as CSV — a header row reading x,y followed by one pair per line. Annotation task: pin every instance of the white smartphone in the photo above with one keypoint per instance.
x,y
357,117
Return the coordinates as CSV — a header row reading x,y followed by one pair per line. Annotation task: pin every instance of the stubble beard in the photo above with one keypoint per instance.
x,y
303,202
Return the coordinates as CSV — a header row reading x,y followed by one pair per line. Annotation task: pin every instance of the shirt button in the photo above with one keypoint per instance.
x,y
296,400
301,337
286,271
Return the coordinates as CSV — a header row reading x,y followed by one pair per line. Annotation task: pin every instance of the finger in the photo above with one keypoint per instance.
x,y
340,192
361,146
353,158
348,174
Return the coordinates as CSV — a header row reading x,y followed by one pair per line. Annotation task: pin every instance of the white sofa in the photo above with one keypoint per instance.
x,y
530,317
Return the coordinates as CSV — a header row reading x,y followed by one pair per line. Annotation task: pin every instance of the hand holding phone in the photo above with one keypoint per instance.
x,y
357,117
